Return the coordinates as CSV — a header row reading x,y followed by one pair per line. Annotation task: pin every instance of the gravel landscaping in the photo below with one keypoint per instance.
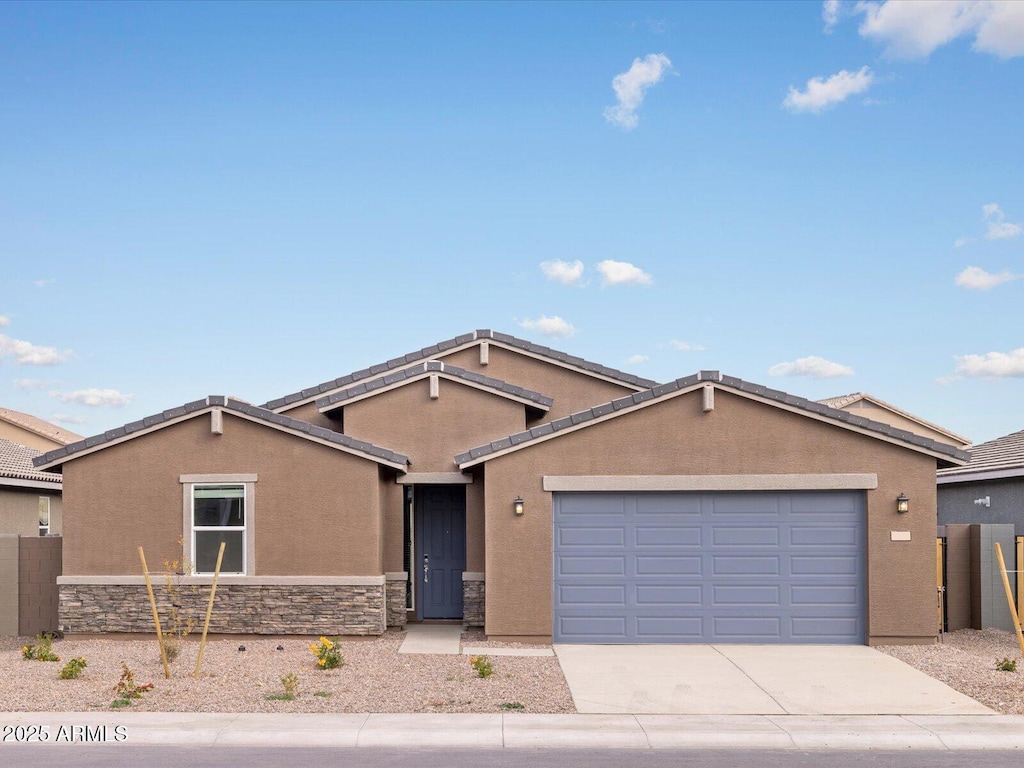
x,y
374,678
966,661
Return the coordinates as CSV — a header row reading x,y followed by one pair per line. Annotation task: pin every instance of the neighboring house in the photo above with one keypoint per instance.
x,y
30,500
24,429
519,488
989,488
871,407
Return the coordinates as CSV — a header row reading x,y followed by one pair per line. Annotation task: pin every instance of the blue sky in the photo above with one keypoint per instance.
x,y
250,199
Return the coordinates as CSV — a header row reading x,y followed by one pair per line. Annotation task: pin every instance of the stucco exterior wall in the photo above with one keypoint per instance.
x,y
1006,502
572,391
738,437
311,414
17,434
430,432
871,411
19,511
316,509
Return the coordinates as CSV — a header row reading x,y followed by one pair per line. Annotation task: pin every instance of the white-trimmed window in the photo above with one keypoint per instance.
x,y
219,515
44,515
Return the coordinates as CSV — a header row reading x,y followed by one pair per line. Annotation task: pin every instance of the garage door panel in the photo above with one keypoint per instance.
x,y
591,536
691,567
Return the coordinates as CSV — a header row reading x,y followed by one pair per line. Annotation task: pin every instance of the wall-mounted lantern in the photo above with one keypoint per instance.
x,y
518,507
902,503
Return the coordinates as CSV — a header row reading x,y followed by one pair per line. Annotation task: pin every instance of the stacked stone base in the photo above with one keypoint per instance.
x,y
238,609
473,602
397,615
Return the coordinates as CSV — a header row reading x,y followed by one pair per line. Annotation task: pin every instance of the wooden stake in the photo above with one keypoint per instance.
x,y
156,616
1009,597
209,608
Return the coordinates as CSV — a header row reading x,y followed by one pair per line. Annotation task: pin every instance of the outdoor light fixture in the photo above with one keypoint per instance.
x,y
984,501
902,503
518,507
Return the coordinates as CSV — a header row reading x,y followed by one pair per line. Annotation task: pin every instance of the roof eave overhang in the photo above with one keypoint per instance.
x,y
18,482
974,477
942,457
324,406
450,351
59,462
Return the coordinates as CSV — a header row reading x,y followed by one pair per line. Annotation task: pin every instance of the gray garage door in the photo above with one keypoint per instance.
x,y
719,567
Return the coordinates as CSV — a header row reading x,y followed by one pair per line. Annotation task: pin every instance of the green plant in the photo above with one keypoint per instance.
x,y
327,654
323,694
1006,665
511,705
40,650
72,669
118,703
482,665
178,626
127,689
291,684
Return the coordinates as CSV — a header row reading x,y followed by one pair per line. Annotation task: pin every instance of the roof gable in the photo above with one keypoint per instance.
x,y
993,460
450,346
553,429
321,435
39,427
844,401
424,370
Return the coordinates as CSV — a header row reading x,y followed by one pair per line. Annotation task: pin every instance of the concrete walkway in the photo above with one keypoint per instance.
x,y
783,732
432,638
753,680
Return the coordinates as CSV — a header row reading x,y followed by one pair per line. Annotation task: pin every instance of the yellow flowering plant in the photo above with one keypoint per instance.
x,y
327,654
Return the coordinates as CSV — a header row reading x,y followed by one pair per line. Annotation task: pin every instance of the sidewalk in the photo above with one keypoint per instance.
x,y
950,732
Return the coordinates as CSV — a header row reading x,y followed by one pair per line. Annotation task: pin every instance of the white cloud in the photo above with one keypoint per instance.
x,y
562,271
830,14
4,321
998,227
637,359
821,94
97,398
27,384
65,418
815,367
622,273
992,364
914,28
978,279
630,88
686,346
548,326
27,353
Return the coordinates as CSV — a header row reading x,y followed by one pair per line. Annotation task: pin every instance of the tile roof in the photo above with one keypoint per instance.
x,y
434,350
1004,455
689,382
844,400
16,464
432,366
40,427
370,451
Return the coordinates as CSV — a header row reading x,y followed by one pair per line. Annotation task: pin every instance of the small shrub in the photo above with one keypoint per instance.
x,y
178,625
482,665
327,654
291,684
127,689
1006,665
72,669
323,694
511,705
118,703
40,650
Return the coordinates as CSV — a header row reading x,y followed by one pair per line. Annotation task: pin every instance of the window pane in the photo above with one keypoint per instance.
x,y
207,546
219,492
219,511
44,512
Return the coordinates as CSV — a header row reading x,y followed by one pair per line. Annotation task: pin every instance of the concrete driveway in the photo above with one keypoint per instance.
x,y
753,680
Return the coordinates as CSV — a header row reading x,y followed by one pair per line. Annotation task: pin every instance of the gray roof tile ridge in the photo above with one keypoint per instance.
x,y
230,404
635,399
482,334
433,366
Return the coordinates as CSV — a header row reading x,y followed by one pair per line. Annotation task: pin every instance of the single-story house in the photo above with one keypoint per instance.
x,y
517,488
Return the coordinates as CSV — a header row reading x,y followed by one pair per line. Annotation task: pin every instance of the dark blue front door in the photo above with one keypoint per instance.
x,y
440,550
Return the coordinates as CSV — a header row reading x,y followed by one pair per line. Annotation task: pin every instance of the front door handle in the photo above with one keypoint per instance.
x,y
426,568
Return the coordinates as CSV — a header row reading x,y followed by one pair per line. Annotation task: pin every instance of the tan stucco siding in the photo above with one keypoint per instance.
x,y
475,560
316,510
571,390
393,510
871,411
311,415
19,511
738,437
430,432
21,436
